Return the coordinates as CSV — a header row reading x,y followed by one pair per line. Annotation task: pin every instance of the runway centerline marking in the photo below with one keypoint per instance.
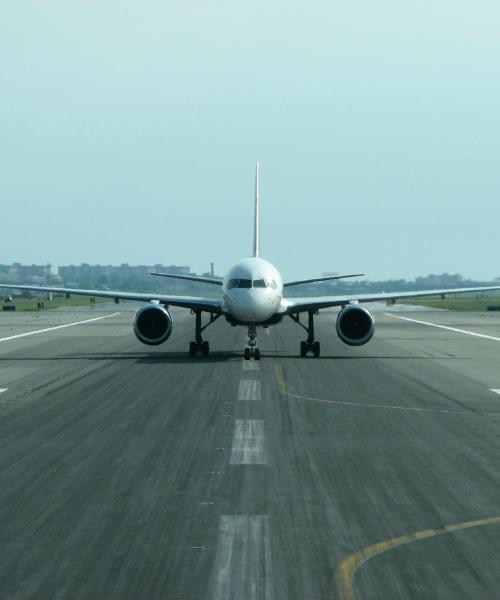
x,y
248,443
243,559
249,390
21,335
349,565
2,390
495,391
474,333
250,365
283,387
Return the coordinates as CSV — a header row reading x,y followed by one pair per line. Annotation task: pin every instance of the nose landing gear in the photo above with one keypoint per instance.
x,y
252,349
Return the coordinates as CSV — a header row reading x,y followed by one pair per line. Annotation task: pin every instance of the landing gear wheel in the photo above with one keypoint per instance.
x,y
251,349
199,347
310,348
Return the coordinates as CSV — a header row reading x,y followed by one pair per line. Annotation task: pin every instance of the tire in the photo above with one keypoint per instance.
x,y
303,349
256,354
192,348
316,349
205,348
247,354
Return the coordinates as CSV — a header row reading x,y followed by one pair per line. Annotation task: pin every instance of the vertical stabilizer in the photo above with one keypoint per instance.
x,y
256,234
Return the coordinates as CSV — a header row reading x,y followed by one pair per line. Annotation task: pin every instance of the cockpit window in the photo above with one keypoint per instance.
x,y
259,283
244,283
248,283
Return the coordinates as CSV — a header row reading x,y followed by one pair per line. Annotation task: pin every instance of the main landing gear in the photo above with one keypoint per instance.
x,y
310,346
251,349
199,346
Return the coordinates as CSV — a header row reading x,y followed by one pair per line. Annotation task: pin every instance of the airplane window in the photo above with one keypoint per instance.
x,y
274,285
232,283
244,283
259,283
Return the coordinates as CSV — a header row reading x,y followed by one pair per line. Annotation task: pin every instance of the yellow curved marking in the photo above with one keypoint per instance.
x,y
282,386
347,568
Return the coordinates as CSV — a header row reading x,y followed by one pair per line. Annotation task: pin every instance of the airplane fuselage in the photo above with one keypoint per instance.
x,y
252,291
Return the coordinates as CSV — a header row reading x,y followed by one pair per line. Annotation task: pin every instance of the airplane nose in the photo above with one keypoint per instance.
x,y
252,306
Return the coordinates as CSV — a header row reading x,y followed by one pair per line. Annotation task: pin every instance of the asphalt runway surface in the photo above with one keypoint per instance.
x,y
130,472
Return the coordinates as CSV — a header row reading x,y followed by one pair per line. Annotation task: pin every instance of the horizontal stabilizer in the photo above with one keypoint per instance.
x,y
316,279
190,278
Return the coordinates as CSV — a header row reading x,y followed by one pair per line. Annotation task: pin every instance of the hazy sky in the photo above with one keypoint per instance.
x,y
129,133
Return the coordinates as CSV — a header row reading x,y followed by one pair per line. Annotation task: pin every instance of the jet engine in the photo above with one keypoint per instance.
x,y
152,324
355,325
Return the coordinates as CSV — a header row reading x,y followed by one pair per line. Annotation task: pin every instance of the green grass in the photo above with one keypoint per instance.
x,y
461,302
30,304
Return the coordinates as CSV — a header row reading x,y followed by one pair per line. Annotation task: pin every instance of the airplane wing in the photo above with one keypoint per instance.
x,y
296,305
190,278
316,279
212,305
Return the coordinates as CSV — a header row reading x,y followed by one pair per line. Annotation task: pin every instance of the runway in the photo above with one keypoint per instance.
x,y
130,472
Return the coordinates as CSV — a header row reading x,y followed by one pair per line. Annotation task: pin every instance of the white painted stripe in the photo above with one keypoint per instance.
x,y
21,335
249,390
2,390
243,560
248,443
250,365
495,391
480,335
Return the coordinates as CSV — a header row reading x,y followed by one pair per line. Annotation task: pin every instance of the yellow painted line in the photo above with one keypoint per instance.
x,y
283,387
349,565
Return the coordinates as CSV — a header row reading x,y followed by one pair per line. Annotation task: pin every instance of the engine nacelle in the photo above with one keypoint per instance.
x,y
152,324
355,325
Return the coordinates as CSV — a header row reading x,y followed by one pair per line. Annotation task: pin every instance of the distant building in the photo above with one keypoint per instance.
x,y
440,280
74,274
18,273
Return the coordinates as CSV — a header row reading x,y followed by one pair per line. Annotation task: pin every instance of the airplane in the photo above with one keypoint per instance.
x,y
252,296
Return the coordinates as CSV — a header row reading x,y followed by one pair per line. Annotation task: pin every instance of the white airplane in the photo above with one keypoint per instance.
x,y
253,296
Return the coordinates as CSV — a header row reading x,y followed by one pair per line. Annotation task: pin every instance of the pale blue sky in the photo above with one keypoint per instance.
x,y
129,133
